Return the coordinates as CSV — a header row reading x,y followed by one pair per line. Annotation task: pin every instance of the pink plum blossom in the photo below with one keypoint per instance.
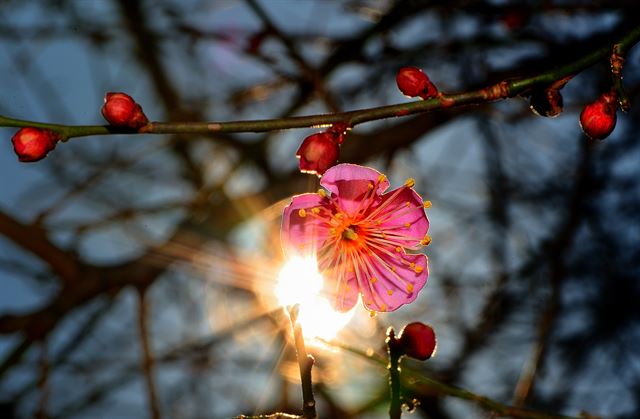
x,y
359,235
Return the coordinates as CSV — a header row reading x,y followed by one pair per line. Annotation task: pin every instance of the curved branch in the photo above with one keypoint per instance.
x,y
500,91
497,408
33,239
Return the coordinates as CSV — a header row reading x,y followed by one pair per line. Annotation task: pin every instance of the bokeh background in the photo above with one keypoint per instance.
x,y
535,262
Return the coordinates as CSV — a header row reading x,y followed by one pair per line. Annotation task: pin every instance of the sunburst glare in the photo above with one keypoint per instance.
x,y
299,282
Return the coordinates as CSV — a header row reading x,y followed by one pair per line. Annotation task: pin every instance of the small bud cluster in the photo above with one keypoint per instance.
x,y
120,110
413,82
598,118
33,144
319,152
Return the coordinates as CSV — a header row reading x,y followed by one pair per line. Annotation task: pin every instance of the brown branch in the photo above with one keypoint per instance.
x,y
147,357
305,363
43,382
34,240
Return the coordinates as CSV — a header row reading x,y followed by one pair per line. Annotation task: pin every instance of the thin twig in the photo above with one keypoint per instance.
x,y
313,75
305,363
395,407
147,358
43,382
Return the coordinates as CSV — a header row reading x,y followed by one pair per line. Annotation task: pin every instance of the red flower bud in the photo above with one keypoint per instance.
x,y
598,118
318,152
338,131
413,82
120,110
417,340
33,144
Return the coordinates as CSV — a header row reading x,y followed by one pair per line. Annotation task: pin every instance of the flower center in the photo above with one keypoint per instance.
x,y
349,233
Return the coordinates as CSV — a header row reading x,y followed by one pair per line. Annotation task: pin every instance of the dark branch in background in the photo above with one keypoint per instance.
x,y
147,354
43,382
557,252
34,239
309,73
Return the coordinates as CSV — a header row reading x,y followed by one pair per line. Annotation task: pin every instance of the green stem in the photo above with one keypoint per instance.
x,y
500,91
395,407
497,408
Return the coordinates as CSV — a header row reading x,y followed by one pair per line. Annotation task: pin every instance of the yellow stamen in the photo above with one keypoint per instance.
x,y
390,292
398,249
315,210
426,240
412,265
383,308
302,213
322,193
370,186
407,225
382,178
349,234
410,183
418,269
409,287
407,204
427,204
374,280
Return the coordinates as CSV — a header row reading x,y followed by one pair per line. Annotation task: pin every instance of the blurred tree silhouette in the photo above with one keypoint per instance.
x,y
137,271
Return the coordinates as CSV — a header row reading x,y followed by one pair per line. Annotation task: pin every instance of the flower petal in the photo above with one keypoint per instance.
x,y
346,292
303,230
350,186
340,287
395,280
401,217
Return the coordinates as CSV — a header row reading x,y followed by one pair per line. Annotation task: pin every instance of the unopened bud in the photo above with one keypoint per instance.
x,y
414,82
318,152
120,110
338,131
33,144
417,340
598,118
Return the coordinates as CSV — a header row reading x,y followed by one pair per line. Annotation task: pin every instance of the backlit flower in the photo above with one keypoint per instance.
x,y
359,235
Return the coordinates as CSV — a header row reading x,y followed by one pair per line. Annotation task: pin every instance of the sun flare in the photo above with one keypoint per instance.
x,y
299,282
